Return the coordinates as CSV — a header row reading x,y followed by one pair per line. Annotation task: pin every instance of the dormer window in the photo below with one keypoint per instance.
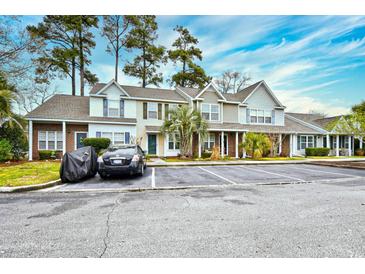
x,y
210,112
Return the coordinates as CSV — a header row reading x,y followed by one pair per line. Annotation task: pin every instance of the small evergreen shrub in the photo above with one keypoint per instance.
x,y
359,152
47,154
317,151
206,154
5,150
97,143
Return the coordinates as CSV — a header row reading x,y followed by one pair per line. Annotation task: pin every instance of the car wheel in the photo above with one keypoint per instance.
x,y
141,170
102,176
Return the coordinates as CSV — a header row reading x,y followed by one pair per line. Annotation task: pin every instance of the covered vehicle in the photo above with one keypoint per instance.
x,y
79,164
122,159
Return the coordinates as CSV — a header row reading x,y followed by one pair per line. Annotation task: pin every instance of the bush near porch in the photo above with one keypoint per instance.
x,y
29,173
317,151
97,143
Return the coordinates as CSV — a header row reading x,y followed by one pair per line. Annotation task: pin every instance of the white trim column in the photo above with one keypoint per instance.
x,y
30,140
291,145
337,145
63,137
360,143
328,145
199,146
236,144
243,150
280,144
222,144
295,142
350,145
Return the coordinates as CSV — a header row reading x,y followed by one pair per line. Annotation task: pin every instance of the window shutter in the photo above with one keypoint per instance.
x,y
298,142
105,107
159,114
247,116
315,141
122,108
98,134
127,137
273,117
166,111
144,110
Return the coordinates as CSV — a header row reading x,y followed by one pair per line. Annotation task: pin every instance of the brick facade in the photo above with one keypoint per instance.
x,y
70,135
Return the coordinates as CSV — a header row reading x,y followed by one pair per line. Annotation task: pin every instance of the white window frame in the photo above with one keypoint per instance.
x,y
210,111
112,140
207,144
174,141
171,107
118,108
149,104
257,111
306,141
55,140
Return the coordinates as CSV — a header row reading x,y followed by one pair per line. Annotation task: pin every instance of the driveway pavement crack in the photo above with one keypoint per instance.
x,y
106,237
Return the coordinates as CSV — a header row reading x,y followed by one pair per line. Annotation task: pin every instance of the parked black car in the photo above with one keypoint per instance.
x,y
122,159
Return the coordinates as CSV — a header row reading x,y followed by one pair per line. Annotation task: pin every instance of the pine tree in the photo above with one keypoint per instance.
x,y
184,52
115,29
142,37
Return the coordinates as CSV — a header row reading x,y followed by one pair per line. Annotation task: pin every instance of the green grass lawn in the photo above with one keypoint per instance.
x,y
333,157
30,173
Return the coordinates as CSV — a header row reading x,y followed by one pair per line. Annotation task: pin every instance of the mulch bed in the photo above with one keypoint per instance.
x,y
357,165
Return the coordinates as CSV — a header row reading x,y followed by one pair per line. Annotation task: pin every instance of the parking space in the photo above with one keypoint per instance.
x,y
177,177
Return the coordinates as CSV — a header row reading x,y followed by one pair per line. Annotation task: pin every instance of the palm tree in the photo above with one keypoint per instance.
x,y
256,144
6,113
185,121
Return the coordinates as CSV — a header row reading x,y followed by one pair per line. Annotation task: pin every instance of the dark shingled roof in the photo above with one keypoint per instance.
x,y
68,107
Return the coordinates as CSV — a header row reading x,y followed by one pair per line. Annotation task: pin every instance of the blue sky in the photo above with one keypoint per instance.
x,y
312,63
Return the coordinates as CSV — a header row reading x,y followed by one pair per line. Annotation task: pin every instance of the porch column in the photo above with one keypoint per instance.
x,y
236,144
337,145
30,140
63,137
350,145
222,144
199,147
291,145
360,143
328,141
280,145
243,150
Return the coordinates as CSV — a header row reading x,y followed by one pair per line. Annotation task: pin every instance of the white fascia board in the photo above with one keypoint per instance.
x,y
306,124
229,102
215,88
78,121
230,130
270,92
111,83
156,100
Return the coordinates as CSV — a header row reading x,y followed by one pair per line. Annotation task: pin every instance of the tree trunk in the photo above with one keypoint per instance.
x,y
116,65
144,69
73,76
183,79
82,63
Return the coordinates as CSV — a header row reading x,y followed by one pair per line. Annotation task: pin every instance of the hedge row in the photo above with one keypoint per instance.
x,y
97,143
317,151
47,154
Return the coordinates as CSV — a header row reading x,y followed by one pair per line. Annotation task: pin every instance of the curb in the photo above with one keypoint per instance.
x,y
229,164
29,188
336,165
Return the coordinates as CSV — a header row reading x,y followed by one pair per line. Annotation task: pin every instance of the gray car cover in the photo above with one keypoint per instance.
x,y
79,164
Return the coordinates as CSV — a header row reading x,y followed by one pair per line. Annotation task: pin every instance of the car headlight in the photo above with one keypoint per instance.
x,y
135,158
100,159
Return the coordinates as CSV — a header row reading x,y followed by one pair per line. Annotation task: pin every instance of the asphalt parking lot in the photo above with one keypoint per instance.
x,y
215,176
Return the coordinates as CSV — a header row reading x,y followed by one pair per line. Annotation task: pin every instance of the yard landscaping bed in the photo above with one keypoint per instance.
x,y
29,173
349,164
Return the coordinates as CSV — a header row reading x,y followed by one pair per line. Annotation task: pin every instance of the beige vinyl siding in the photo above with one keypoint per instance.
x,y
230,113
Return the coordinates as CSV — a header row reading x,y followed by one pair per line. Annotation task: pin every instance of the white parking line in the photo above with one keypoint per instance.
x,y
272,173
153,182
221,177
329,172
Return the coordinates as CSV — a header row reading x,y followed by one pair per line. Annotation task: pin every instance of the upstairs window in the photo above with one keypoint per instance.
x,y
152,110
260,116
113,108
210,112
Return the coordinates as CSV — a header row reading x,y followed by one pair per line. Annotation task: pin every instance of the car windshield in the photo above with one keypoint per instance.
x,y
123,149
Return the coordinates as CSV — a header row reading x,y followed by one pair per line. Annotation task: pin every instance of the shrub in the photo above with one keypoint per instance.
x,y
17,139
47,154
215,153
317,151
206,154
97,143
360,152
256,145
5,150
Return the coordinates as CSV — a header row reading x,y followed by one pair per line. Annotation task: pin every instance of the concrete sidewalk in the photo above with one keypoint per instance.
x,y
157,162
